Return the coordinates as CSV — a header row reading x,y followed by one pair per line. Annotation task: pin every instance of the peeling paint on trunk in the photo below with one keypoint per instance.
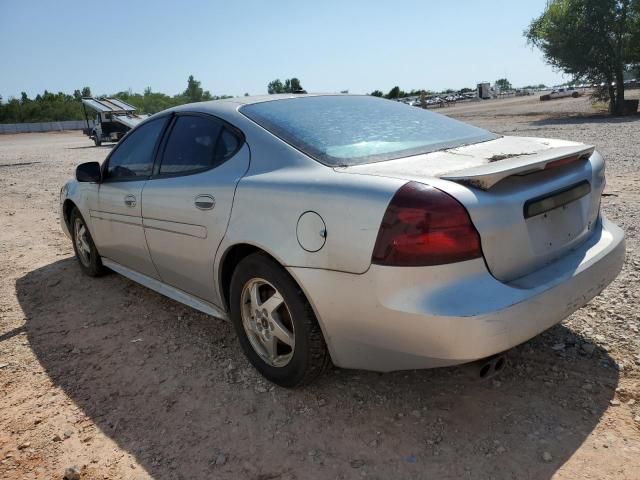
x,y
503,156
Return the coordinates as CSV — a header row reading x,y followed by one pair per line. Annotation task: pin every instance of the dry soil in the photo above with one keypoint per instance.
x,y
121,382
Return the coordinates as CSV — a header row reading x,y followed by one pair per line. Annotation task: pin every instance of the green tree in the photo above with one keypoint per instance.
x,y
377,93
86,92
290,85
394,93
275,86
194,91
503,84
592,40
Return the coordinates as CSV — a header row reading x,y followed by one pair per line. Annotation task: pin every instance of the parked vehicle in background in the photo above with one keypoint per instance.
x,y
114,118
484,90
348,228
561,93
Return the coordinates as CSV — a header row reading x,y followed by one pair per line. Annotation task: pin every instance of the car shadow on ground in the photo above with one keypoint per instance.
x,y
171,387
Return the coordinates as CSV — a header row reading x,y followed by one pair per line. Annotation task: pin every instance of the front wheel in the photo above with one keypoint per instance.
x,y
86,252
96,139
275,324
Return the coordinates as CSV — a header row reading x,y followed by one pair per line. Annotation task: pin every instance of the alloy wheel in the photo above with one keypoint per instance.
x,y
267,322
82,242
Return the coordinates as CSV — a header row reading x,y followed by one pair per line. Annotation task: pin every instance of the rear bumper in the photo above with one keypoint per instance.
x,y
393,318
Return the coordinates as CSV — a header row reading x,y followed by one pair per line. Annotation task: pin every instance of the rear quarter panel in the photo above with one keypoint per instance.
x,y
282,184
268,206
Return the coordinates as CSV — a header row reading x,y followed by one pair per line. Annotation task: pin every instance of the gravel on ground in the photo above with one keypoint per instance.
x,y
103,379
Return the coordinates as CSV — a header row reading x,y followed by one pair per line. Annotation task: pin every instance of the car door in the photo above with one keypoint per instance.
x,y
115,211
186,205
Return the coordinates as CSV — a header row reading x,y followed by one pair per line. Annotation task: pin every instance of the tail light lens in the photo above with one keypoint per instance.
x,y
425,226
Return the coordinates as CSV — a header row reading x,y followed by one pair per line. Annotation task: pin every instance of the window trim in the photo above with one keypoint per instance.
x,y
155,173
105,164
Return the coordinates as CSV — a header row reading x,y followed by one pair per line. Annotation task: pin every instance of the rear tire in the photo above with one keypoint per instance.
x,y
302,354
83,246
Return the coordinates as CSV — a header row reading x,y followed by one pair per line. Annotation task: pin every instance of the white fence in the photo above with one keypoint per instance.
x,y
44,126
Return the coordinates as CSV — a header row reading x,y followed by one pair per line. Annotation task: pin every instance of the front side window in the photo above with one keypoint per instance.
x,y
133,158
351,130
197,143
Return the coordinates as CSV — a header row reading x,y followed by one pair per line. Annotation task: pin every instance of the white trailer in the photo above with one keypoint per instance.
x,y
484,90
114,118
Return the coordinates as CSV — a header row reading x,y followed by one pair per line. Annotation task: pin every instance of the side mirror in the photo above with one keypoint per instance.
x,y
88,172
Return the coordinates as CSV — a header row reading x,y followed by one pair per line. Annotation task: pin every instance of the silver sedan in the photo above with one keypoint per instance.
x,y
348,229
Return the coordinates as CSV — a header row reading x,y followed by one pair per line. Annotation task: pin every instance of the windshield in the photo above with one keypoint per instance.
x,y
351,130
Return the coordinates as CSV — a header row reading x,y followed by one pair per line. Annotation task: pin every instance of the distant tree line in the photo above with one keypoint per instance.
x,y
51,107
396,92
539,86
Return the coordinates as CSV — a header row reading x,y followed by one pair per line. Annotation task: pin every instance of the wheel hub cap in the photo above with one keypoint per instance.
x,y
267,322
82,242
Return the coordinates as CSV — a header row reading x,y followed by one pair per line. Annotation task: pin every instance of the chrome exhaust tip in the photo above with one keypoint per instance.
x,y
492,366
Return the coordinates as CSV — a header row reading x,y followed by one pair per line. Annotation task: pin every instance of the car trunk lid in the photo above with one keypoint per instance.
x,y
531,200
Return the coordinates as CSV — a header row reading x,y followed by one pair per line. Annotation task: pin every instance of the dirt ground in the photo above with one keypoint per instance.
x,y
121,382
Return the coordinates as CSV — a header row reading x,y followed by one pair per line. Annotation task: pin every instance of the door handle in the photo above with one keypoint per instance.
x,y
130,201
204,202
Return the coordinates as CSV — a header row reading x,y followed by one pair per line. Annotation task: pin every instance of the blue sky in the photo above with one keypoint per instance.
x,y
238,46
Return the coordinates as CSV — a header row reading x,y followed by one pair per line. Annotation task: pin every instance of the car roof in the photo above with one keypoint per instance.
x,y
266,98
232,104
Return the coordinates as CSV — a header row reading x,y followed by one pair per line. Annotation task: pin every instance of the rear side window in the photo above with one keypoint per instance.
x,y
227,144
133,157
197,143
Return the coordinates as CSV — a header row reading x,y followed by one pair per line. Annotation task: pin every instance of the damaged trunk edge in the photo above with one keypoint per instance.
x,y
480,165
486,176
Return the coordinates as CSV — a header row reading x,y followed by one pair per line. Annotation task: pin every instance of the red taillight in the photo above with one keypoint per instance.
x,y
425,226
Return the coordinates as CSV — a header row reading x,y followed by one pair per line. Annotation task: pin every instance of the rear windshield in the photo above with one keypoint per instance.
x,y
351,130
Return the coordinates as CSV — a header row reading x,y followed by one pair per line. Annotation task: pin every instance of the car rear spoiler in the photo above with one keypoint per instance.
x,y
486,176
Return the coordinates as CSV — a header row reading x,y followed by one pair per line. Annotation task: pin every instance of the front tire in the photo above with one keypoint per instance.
x,y
86,252
96,139
275,324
